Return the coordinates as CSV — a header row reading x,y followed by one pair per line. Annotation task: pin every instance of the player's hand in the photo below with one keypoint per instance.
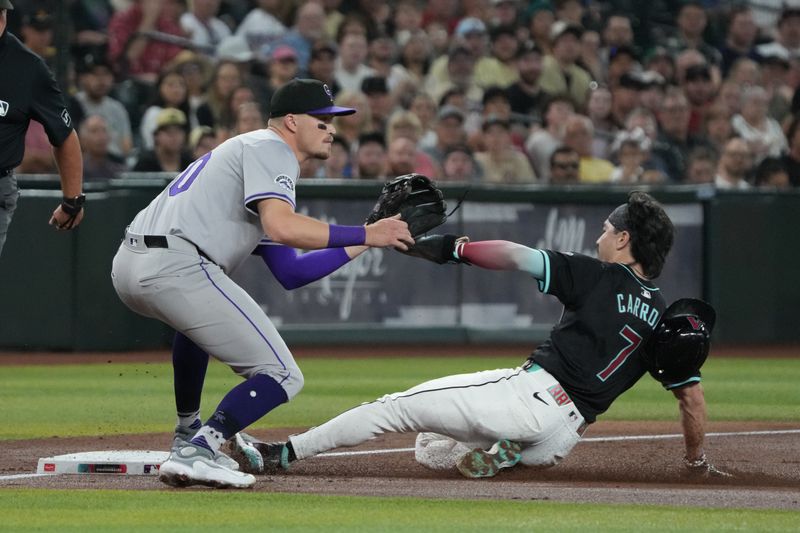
x,y
64,221
389,232
701,467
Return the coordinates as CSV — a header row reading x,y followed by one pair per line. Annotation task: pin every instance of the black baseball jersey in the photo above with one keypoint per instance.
x,y
609,314
27,91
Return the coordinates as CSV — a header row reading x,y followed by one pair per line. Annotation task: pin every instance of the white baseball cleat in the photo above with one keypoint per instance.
x,y
194,465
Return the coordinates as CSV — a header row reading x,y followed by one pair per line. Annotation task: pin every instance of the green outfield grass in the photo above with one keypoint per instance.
x,y
73,400
117,511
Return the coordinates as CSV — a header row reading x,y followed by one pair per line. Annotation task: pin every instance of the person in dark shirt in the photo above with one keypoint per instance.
x,y
170,153
525,95
536,413
28,92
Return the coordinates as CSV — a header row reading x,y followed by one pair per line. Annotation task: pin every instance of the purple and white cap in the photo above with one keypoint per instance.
x,y
305,97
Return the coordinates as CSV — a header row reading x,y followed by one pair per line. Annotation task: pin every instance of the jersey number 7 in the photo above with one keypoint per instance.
x,y
634,340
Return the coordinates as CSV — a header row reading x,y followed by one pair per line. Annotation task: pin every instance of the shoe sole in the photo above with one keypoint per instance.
x,y
180,476
481,463
248,457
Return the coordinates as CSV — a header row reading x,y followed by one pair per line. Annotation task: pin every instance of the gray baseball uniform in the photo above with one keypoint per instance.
x,y
174,262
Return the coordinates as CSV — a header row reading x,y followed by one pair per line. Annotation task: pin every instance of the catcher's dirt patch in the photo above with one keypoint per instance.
x,y
766,468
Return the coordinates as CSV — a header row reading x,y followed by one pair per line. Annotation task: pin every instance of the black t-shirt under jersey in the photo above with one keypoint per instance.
x,y
609,313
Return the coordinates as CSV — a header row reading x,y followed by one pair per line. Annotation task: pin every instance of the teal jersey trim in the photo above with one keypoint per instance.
x,y
695,379
634,276
544,283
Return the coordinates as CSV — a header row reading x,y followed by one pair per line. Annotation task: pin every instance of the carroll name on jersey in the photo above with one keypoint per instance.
x,y
628,303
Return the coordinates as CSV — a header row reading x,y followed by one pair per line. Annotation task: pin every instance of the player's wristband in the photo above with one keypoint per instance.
x,y
341,236
73,206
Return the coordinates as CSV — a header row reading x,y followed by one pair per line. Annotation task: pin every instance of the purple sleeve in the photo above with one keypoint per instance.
x,y
293,271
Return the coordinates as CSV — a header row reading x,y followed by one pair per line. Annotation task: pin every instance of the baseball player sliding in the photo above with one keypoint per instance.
x,y
613,330
174,262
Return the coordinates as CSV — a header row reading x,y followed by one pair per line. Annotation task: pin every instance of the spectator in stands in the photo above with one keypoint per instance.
x,y
699,91
425,108
495,105
459,165
202,140
691,24
701,166
740,38
262,27
502,162
381,55
471,35
578,133
589,59
449,132
645,120
249,118
134,44
599,111
401,156
504,13
541,20
338,165
499,69
659,60
196,72
630,150
570,11
406,124
717,127
771,173
730,97
172,92
744,72
674,141
543,141
735,164
775,71
407,18
170,152
322,65
201,25
560,73
622,61
350,65
89,20
652,91
227,126
617,32
414,63
282,68
525,95
37,34
689,58
309,27
351,127
564,165
226,77
381,102
787,42
97,161
754,125
96,81
792,158
460,75
370,160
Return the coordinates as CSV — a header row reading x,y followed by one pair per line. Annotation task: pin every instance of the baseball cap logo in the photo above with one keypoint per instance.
x,y
327,91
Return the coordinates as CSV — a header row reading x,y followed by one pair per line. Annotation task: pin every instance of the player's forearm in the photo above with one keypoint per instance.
x,y
293,270
503,255
299,231
692,405
70,165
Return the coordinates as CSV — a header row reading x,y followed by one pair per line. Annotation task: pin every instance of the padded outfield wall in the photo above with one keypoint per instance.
x,y
737,250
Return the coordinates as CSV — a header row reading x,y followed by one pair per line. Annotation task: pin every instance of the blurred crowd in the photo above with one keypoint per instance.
x,y
481,91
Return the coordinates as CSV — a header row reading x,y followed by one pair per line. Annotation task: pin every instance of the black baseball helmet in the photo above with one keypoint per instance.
x,y
680,344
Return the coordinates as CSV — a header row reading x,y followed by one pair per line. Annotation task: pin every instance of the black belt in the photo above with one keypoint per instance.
x,y
6,172
160,241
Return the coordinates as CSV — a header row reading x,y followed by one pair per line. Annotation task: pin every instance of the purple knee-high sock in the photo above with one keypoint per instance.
x,y
189,365
246,403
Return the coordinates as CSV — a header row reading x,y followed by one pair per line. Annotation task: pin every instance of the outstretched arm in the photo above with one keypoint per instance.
x,y
293,270
502,255
692,405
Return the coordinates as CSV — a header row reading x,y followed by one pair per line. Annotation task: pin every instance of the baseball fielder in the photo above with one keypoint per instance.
x,y
174,262
536,413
